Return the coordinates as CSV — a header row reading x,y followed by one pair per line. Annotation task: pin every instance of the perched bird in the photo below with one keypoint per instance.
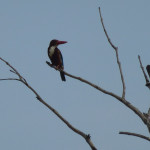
x,y
56,56
148,69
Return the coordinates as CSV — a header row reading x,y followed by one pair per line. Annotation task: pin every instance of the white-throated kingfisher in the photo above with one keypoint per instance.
x,y
56,57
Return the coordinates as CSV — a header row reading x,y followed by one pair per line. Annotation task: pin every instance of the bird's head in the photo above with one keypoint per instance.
x,y
56,42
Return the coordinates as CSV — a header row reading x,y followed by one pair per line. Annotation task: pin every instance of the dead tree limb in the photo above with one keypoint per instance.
x,y
23,80
121,99
135,134
124,101
117,56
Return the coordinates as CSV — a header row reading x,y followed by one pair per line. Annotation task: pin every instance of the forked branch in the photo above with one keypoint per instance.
x,y
117,56
124,101
22,79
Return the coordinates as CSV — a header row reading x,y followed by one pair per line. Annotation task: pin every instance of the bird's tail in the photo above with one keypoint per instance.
x,y
62,76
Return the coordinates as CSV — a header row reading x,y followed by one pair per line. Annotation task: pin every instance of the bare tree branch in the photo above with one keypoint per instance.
x,y
13,69
117,56
87,82
10,79
22,79
124,101
135,134
146,78
121,99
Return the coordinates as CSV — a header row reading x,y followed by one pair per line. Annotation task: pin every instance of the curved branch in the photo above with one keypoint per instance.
x,y
122,100
135,134
117,56
10,79
22,79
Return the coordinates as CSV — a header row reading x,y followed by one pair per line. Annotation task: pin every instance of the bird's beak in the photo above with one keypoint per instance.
x,y
61,42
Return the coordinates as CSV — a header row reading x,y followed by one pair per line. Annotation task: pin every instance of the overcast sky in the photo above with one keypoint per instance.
x,y
26,28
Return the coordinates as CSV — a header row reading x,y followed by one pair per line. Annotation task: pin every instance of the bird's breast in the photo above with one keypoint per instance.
x,y
51,51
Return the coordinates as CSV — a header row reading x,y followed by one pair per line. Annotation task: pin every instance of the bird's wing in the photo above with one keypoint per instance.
x,y
60,58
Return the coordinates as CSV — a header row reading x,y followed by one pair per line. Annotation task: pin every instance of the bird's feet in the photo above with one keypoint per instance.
x,y
59,67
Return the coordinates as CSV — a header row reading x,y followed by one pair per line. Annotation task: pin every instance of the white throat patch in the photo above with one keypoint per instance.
x,y
52,50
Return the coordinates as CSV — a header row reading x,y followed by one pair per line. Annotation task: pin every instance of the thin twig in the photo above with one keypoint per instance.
x,y
22,79
117,56
146,78
109,40
147,115
135,134
14,70
10,79
124,101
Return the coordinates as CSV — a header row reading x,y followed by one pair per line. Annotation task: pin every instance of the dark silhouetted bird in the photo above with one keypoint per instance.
x,y
148,69
56,56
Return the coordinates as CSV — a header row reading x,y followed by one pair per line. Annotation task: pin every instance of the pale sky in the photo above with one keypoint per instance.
x,y
27,27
